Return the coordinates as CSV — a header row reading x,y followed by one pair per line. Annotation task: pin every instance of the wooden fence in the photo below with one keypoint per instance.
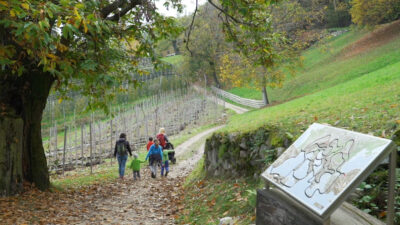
x,y
243,101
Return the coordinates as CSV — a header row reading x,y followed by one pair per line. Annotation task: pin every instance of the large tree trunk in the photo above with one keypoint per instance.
x,y
214,74
175,45
265,96
22,101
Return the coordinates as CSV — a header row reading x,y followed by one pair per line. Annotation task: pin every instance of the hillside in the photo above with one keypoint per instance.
x,y
339,85
337,60
359,92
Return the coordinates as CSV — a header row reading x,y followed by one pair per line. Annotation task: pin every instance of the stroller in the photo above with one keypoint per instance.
x,y
171,155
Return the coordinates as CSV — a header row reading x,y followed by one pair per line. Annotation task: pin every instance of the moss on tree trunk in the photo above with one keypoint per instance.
x,y
22,101
11,130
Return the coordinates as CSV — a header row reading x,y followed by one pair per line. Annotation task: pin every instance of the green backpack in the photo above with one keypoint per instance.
x,y
121,148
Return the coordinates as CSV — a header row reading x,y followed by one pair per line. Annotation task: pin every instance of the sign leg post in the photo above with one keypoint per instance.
x,y
267,185
392,181
327,221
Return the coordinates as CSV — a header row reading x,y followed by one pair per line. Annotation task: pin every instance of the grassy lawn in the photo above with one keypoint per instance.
x,y
173,59
209,199
369,103
324,67
245,92
361,93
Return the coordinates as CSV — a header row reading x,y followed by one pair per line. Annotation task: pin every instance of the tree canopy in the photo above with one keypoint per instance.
x,y
87,42
90,47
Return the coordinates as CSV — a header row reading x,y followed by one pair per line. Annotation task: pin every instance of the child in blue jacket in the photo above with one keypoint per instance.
x,y
155,156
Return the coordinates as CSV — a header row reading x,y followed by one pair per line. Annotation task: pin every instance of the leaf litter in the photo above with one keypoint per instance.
x,y
145,201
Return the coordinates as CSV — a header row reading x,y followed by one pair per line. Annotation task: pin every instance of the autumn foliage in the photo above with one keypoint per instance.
x,y
369,13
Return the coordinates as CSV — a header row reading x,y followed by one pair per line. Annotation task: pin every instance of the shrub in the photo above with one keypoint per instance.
x,y
339,17
369,13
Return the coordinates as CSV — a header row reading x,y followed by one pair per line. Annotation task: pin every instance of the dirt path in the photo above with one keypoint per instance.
x,y
237,109
148,201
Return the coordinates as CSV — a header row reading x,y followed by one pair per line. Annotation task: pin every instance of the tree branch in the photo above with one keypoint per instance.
x,y
118,15
111,8
227,14
190,29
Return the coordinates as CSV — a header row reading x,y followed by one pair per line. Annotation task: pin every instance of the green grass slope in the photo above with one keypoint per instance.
x,y
370,103
176,59
324,66
246,92
360,93
321,72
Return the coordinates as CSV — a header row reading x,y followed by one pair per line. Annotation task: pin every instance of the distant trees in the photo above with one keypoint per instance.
x,y
206,45
262,48
369,13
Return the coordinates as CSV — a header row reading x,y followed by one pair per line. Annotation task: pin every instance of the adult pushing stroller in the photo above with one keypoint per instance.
x,y
164,142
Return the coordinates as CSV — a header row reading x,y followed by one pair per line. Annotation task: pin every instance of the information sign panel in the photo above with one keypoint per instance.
x,y
324,164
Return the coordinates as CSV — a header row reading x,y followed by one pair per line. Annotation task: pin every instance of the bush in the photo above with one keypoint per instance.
x,y
369,13
339,17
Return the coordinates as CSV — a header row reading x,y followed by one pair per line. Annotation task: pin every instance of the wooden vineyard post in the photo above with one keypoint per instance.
x,y
90,133
82,145
156,120
93,130
75,145
65,146
49,147
146,122
392,184
55,144
101,150
111,140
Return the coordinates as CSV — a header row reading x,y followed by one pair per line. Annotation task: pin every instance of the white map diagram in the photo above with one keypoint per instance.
x,y
322,163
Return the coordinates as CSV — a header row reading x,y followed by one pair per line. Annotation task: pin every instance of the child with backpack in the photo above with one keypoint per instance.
x,y
155,157
121,150
165,164
135,166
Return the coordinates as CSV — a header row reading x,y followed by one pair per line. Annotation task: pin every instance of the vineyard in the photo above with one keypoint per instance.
x,y
72,142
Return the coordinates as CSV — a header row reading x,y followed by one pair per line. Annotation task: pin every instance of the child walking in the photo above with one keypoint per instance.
x,y
165,164
135,166
155,156
150,143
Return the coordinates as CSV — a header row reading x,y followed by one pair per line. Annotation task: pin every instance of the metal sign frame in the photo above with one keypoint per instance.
x,y
389,149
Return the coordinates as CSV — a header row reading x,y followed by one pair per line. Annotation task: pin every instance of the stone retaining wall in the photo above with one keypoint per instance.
x,y
244,154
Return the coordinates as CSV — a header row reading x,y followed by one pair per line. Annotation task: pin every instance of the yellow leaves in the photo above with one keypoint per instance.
x,y
4,3
25,6
61,47
85,28
78,16
237,70
52,56
12,13
58,21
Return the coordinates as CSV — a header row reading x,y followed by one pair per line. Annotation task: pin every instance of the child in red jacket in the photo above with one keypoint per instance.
x,y
150,143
